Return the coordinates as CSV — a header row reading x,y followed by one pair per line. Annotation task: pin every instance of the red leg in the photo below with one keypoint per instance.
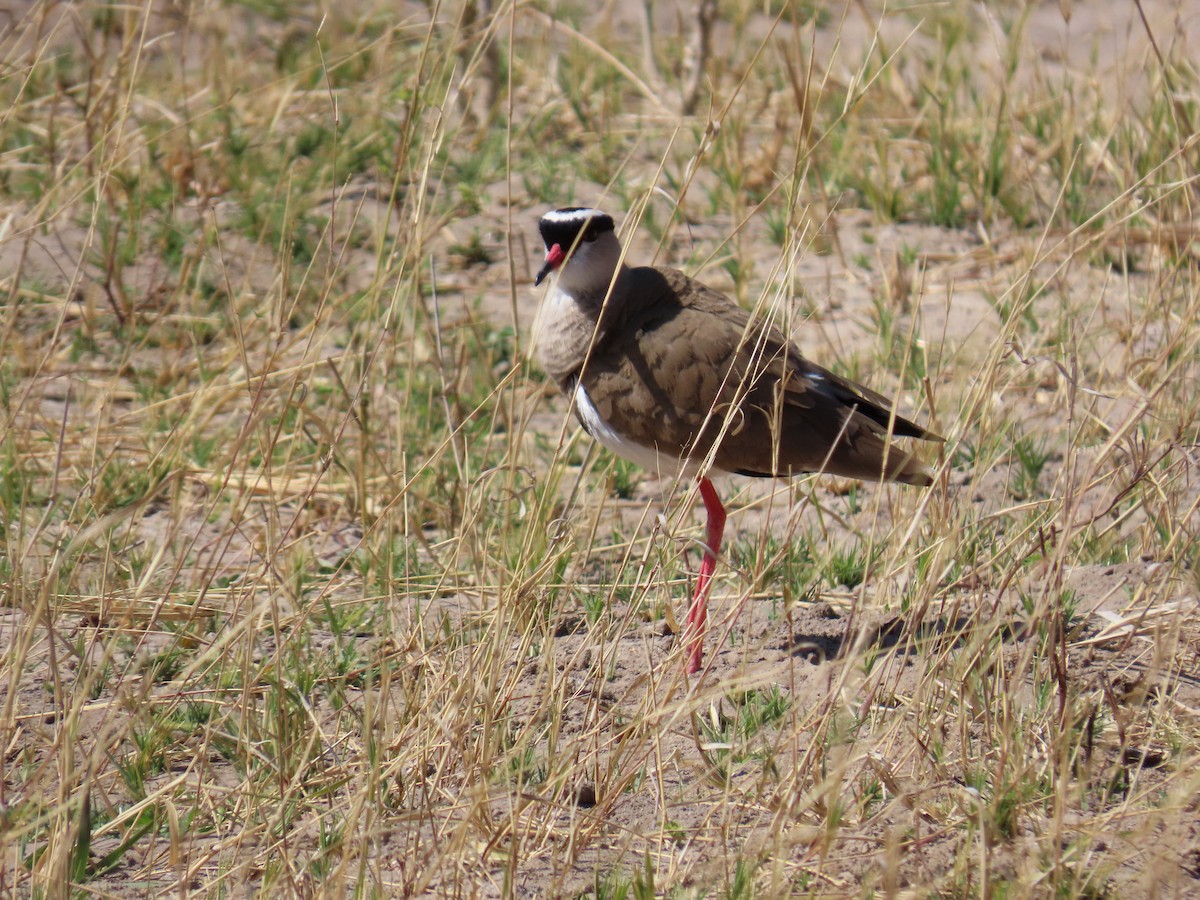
x,y
697,617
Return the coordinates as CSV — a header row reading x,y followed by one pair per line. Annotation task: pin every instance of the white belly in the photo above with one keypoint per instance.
x,y
665,464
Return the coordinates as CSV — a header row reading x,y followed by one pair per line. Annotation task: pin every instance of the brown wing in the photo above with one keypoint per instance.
x,y
687,369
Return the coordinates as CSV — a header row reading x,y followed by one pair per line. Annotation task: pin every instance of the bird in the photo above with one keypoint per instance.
x,y
676,377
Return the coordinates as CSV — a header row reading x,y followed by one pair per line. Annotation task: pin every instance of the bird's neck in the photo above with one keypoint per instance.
x,y
576,316
586,283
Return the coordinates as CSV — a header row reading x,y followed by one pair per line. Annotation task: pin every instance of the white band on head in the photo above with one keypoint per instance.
x,y
567,216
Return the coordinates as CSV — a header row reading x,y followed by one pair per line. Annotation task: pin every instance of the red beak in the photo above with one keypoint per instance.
x,y
554,259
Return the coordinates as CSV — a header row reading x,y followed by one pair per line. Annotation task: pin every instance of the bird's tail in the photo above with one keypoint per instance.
x,y
869,455
906,468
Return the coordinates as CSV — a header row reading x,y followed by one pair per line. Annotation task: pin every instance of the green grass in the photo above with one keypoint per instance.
x,y
311,585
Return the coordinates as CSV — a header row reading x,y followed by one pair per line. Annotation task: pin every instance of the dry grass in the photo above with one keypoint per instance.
x,y
310,585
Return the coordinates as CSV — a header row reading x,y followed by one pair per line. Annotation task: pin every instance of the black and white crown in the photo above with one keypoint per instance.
x,y
565,226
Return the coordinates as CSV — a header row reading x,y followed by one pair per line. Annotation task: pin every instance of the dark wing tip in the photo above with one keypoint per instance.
x,y
907,428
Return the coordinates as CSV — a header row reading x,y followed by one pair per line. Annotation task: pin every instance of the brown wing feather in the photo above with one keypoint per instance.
x,y
686,369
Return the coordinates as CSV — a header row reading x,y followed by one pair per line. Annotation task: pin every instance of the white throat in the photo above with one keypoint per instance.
x,y
589,271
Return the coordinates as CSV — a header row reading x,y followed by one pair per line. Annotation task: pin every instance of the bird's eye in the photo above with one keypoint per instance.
x,y
589,236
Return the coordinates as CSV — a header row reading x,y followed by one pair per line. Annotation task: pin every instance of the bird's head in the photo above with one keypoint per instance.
x,y
582,246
